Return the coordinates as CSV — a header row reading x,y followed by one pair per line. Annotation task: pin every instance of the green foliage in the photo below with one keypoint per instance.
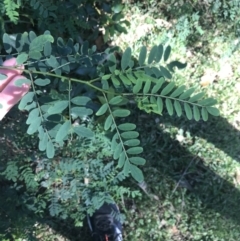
x,y
87,17
59,116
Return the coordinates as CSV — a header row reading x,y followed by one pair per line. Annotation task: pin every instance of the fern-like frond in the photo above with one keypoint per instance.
x,y
11,10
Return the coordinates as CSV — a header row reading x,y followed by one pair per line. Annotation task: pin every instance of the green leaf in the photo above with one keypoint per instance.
x,y
152,54
106,77
187,93
115,81
80,100
178,91
127,127
159,53
25,100
116,100
32,116
135,150
58,107
126,168
132,142
131,78
156,72
20,82
126,58
121,113
130,134
177,64
117,151
138,86
196,113
3,77
136,173
196,97
63,131
167,53
38,43
204,114
142,56
42,82
102,110
168,88
178,108
112,62
188,111
169,106
83,131
6,43
213,111
165,72
157,86
52,61
208,102
21,58
108,122
42,145
125,80
50,149
137,160
81,112
159,105
147,86
34,125
47,49
121,160
35,55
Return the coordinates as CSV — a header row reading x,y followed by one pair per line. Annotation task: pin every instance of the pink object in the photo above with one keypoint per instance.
x,y
10,93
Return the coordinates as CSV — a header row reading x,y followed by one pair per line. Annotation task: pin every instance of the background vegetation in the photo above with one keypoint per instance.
x,y
192,172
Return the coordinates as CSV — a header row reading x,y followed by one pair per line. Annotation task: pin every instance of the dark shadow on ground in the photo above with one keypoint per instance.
x,y
172,158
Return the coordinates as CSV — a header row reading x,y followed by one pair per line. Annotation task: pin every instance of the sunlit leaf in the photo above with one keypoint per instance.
x,y
136,173
130,134
121,113
178,108
204,114
117,151
188,111
165,72
63,131
169,106
196,113
132,142
83,131
213,111
137,160
80,100
33,127
127,127
102,109
137,87
42,82
157,86
186,94
58,107
108,122
135,150
168,88
50,149
196,97
178,91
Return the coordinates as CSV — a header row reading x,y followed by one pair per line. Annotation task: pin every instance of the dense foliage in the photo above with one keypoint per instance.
x,y
79,105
